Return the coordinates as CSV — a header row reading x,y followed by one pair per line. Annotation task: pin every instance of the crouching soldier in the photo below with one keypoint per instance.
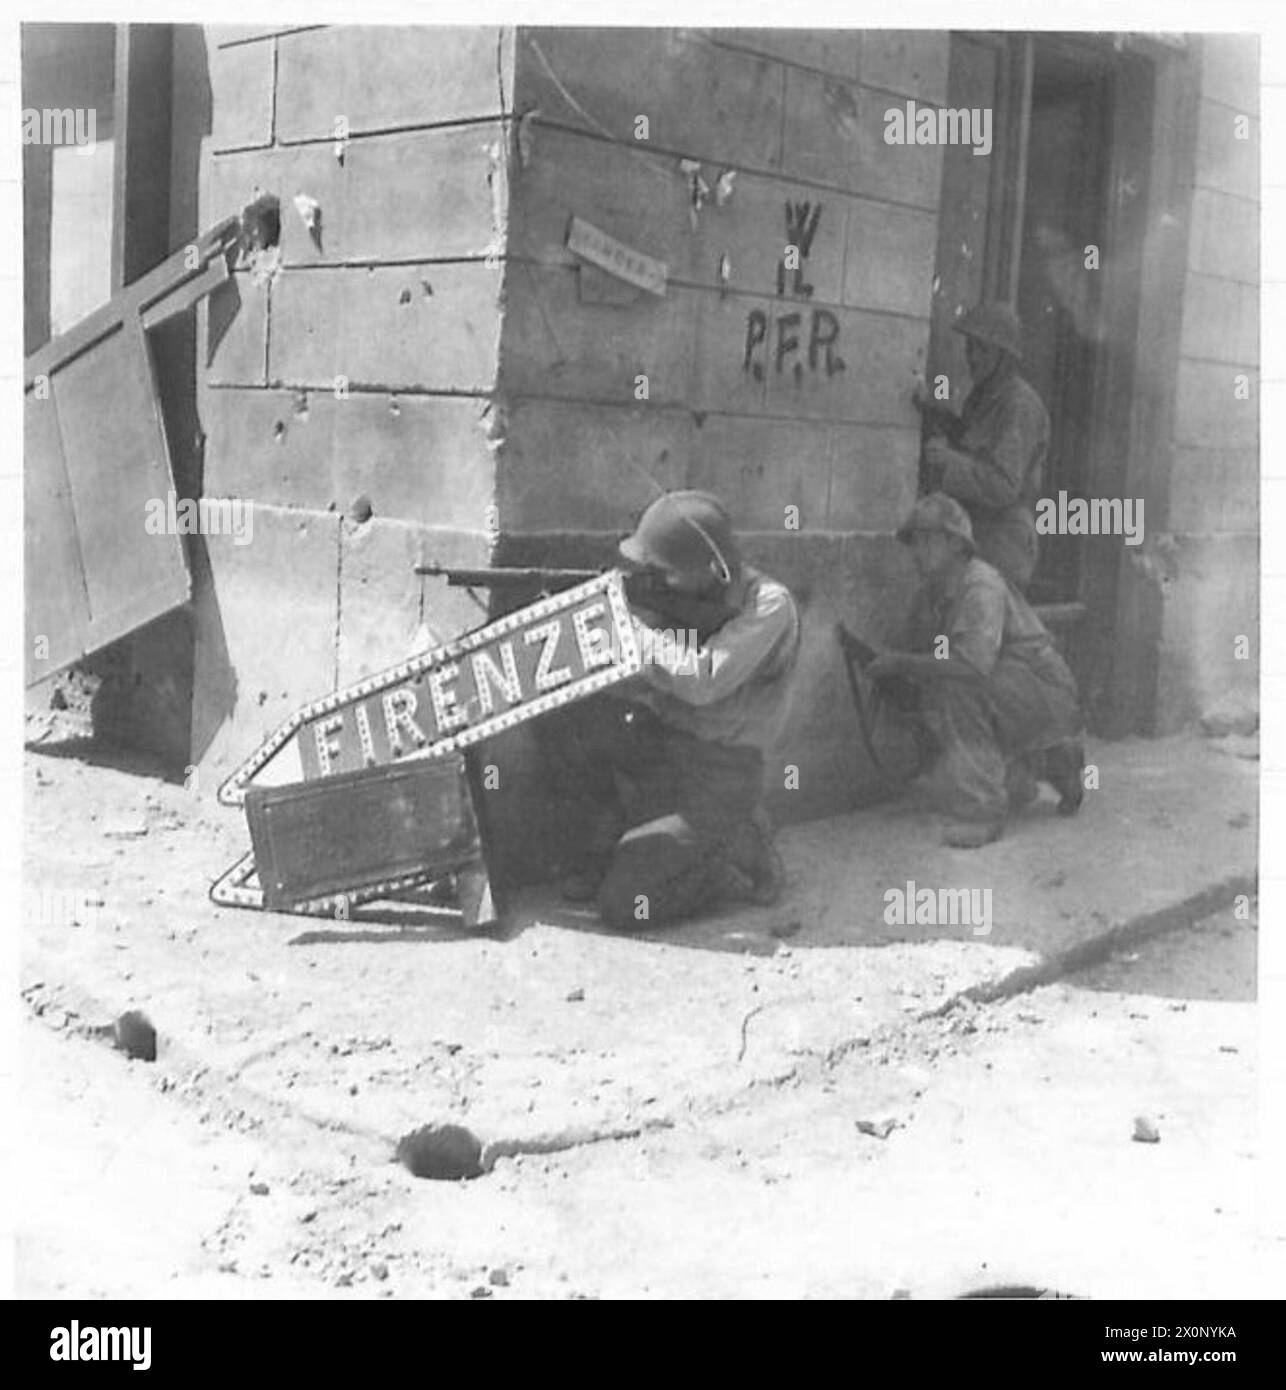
x,y
672,761
998,701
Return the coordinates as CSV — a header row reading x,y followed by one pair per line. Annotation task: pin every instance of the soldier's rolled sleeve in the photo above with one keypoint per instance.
x,y
978,626
731,657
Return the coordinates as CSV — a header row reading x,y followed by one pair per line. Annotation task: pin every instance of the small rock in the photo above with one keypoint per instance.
x,y
309,1216
345,1281
133,1034
1228,1047
499,1277
126,829
480,1292
260,1189
1145,1131
576,996
444,1152
1230,716
379,1270
878,1129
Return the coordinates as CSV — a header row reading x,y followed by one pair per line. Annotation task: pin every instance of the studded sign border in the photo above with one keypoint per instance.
x,y
232,889
611,584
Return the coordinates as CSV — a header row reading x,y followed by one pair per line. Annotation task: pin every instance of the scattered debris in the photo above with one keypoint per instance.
x,y
878,1129
260,1189
1228,1047
480,1292
1233,715
442,1152
574,996
499,1278
379,1270
131,829
1145,1131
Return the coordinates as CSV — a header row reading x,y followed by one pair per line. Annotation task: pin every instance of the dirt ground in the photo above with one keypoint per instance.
x,y
716,1155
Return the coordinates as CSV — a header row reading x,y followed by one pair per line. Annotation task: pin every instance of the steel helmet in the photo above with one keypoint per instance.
x,y
993,322
938,512
687,534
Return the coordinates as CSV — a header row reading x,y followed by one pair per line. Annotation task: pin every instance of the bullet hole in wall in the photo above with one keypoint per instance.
x,y
260,248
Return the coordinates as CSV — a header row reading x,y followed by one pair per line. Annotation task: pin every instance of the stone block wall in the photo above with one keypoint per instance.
x,y
786,393
1210,589
354,366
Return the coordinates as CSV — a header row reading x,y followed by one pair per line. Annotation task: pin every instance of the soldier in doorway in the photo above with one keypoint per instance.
x,y
672,762
991,458
997,701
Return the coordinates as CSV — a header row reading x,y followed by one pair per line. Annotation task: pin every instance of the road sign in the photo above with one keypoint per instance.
x,y
560,649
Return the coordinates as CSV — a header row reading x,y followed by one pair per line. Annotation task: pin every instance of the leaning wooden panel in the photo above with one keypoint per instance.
x,y
95,456
57,599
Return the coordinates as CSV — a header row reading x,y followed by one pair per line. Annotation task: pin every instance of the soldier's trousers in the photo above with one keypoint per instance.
x,y
983,728
666,807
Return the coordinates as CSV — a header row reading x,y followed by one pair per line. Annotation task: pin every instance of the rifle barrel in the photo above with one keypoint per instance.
x,y
500,577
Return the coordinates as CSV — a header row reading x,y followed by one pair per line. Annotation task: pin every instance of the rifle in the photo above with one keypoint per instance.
x,y
550,580
899,692
644,591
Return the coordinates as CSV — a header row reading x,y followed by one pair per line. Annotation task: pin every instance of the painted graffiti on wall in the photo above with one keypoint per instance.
x,y
801,340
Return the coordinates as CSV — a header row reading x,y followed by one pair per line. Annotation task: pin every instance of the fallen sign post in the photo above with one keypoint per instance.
x,y
358,746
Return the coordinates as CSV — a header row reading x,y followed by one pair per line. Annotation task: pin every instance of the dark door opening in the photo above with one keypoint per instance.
x,y
1064,230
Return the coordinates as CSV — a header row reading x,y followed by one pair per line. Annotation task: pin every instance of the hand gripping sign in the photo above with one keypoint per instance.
x,y
561,649
336,767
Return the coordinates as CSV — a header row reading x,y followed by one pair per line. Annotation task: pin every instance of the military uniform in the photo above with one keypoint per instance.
x,y
998,470
999,446
1012,715
1025,703
672,762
